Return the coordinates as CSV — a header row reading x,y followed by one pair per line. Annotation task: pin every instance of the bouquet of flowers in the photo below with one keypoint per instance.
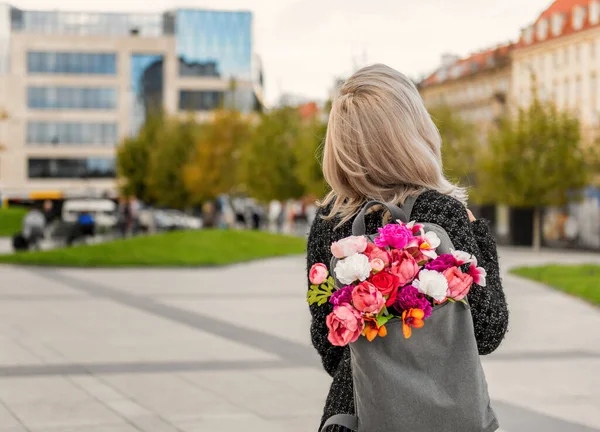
x,y
400,276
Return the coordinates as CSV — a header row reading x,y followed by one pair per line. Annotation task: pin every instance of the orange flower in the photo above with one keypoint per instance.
x,y
371,330
412,318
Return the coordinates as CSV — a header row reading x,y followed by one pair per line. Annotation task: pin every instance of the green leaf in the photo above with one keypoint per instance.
x,y
451,300
385,311
464,301
319,294
383,319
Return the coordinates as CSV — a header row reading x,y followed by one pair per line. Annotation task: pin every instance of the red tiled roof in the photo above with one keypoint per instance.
x,y
470,65
308,110
564,7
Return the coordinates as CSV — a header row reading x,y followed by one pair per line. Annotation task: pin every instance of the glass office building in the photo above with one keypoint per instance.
x,y
80,83
214,43
146,87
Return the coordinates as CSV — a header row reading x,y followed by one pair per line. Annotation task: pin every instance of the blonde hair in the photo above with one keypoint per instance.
x,y
381,144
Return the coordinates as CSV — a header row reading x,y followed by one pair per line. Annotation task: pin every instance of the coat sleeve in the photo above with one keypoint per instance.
x,y
318,251
488,304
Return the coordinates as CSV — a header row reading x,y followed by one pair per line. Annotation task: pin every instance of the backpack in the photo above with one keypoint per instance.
x,y
431,382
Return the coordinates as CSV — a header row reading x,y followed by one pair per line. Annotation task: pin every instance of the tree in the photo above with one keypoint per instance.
x,y
171,152
535,160
214,165
459,145
270,161
133,159
308,152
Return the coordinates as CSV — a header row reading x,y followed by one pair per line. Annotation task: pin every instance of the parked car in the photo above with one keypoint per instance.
x,y
104,211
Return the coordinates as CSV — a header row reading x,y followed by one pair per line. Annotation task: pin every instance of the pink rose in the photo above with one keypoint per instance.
x,y
345,325
459,283
367,298
393,235
318,274
373,252
377,264
404,266
348,246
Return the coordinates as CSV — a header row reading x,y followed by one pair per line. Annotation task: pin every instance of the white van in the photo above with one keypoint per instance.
x,y
104,211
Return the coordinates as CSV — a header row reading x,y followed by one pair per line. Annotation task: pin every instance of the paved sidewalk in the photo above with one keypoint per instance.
x,y
228,350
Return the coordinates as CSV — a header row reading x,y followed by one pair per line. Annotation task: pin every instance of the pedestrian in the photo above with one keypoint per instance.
x,y
382,145
34,224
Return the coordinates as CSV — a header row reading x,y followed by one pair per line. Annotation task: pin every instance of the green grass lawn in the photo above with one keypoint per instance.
x,y
11,220
183,248
582,280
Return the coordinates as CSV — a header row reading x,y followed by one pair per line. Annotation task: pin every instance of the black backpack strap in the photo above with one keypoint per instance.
x,y
359,227
345,420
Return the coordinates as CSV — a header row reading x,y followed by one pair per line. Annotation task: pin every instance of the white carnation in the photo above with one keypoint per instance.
x,y
355,267
432,283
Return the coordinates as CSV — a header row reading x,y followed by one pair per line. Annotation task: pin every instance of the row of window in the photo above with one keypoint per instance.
x,y
560,57
101,98
71,63
105,98
40,168
72,133
196,100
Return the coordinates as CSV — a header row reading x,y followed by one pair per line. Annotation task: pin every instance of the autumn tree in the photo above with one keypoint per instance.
x,y
213,168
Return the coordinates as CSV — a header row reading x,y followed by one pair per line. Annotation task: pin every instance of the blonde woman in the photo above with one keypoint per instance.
x,y
382,145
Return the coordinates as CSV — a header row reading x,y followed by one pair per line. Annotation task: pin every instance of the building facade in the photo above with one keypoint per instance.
x,y
476,87
560,53
73,85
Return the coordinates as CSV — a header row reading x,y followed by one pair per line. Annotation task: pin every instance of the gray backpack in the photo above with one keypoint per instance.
x,y
432,382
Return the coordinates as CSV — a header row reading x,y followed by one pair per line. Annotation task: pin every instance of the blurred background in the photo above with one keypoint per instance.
x,y
143,145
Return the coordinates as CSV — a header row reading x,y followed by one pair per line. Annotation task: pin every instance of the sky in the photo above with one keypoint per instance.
x,y
305,44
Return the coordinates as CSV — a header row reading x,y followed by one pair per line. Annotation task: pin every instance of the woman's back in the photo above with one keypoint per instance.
x,y
488,305
382,145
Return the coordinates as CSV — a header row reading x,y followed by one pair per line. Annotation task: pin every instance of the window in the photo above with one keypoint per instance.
x,y
72,98
577,53
39,168
592,49
578,92
214,43
71,63
565,101
60,133
192,100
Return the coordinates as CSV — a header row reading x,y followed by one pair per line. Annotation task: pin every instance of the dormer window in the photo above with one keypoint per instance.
x,y
557,24
578,17
594,12
528,34
542,29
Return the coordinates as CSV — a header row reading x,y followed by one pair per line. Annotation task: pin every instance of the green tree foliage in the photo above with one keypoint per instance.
x,y
171,151
536,159
309,156
460,146
133,159
270,161
213,168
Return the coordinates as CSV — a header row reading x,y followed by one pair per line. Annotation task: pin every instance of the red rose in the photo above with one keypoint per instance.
x,y
385,282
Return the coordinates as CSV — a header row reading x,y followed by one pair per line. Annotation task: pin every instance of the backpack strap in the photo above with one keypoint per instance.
x,y
345,420
408,205
359,227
